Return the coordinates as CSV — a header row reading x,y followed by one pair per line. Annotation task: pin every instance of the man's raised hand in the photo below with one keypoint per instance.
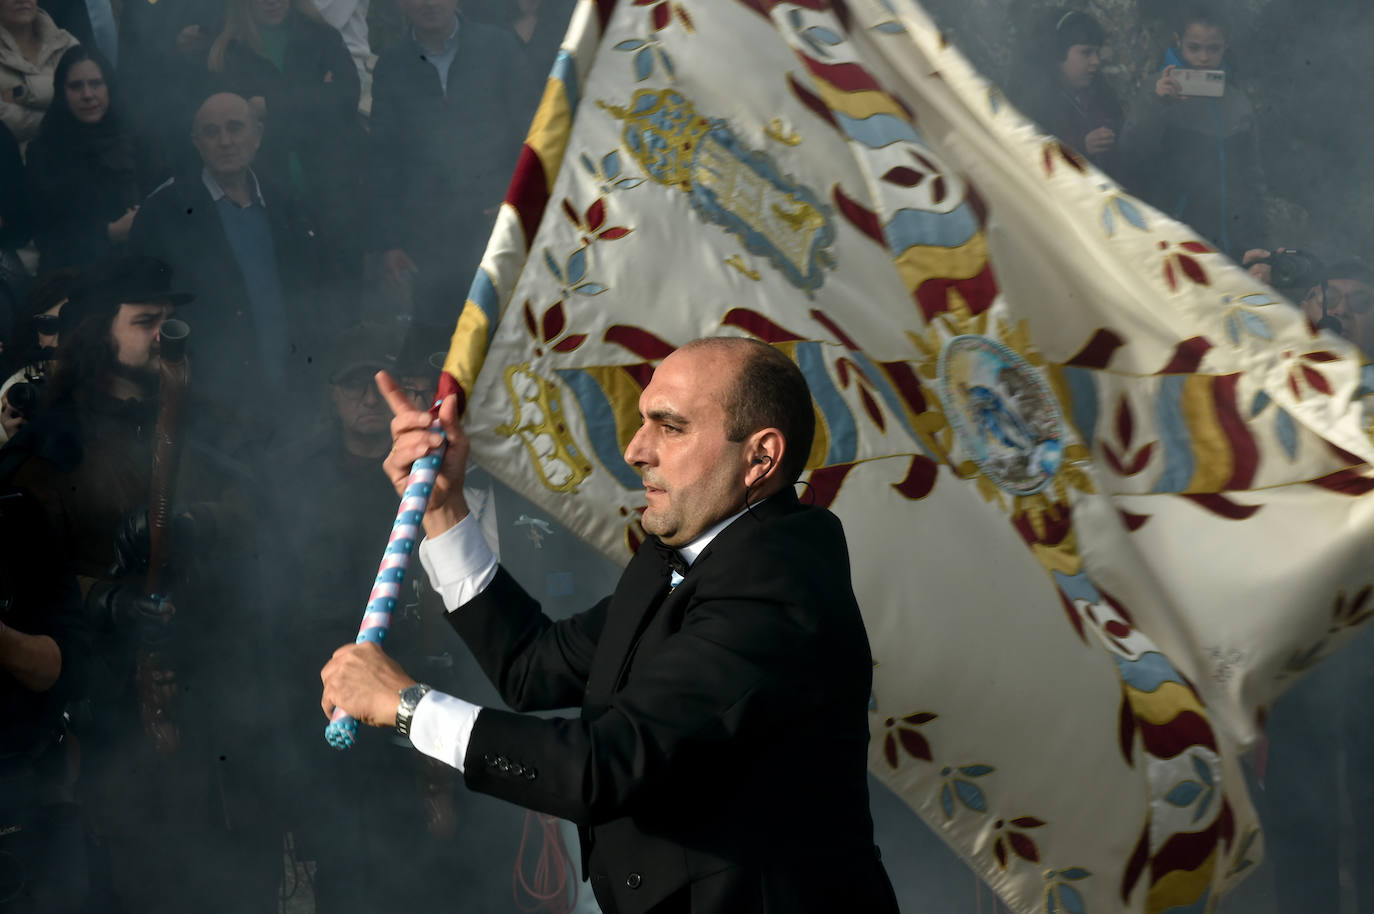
x,y
412,437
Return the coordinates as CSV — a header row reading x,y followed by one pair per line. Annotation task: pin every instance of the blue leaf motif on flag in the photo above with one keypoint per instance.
x,y
577,265
1131,214
1204,771
1108,221
1287,433
1233,328
628,183
970,795
553,266
587,164
890,28
1259,403
977,771
1256,325
667,63
947,801
1075,872
644,64
630,44
1184,793
1070,899
590,288
610,165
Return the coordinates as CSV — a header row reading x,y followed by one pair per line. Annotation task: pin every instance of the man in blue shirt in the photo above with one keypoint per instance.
x,y
243,249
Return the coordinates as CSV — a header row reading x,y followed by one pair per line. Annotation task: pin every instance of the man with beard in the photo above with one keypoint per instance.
x,y
164,780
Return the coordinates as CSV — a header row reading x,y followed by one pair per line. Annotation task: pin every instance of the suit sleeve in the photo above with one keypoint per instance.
x,y
733,672
535,663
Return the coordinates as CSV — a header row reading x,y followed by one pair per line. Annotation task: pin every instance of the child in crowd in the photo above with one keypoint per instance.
x,y
1197,157
1063,90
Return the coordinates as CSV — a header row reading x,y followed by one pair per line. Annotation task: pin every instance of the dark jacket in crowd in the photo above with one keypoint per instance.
x,y
16,212
180,225
38,596
81,177
312,145
163,87
442,161
88,459
1072,116
1198,160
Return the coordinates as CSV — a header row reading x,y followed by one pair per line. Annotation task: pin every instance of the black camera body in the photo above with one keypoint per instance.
x,y
1293,269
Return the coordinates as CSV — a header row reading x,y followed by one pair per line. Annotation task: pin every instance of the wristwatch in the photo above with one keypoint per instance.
x,y
405,711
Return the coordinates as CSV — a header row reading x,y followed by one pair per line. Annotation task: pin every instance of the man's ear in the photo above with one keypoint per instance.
x,y
765,449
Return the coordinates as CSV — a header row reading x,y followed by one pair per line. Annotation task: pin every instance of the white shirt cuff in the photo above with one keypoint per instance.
x,y
442,726
459,562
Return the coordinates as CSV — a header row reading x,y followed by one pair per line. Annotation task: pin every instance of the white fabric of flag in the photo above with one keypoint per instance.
x,y
1104,492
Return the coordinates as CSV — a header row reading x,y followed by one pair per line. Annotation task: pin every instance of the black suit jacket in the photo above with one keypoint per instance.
x,y
179,224
719,763
441,161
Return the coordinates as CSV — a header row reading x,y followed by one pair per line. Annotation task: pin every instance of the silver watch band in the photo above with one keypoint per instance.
x,y
405,710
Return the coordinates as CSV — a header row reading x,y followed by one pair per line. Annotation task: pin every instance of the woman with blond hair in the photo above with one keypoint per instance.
x,y
30,46
294,67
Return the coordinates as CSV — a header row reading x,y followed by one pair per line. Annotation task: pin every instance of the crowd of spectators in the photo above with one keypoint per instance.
x,y
313,210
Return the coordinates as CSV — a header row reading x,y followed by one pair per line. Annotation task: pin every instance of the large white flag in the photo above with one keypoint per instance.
x,y
1103,491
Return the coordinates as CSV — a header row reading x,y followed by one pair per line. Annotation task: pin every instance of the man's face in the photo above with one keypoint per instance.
x,y
1350,302
693,475
430,15
136,335
227,134
1079,68
1202,46
361,409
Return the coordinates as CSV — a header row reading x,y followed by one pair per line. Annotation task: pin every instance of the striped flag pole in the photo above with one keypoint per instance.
x,y
505,256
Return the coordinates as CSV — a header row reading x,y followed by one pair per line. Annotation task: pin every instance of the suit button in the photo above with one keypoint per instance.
x,y
503,763
517,770
531,774
634,880
489,758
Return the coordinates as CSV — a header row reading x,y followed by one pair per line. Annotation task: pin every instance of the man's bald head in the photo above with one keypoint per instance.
x,y
769,391
227,131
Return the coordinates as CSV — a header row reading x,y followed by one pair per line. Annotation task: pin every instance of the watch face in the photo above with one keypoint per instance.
x,y
411,695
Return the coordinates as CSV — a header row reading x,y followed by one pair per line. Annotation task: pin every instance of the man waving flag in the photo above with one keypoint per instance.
x,y
1103,491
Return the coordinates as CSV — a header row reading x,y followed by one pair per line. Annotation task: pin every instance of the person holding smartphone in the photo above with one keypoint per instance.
x,y
1197,157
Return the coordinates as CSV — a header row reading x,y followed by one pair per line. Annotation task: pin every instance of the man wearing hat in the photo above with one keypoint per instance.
x,y
347,810
86,457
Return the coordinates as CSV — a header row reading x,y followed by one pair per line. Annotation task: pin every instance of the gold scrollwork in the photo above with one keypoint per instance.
x,y
540,425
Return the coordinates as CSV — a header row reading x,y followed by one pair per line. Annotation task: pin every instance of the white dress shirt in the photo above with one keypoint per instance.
x,y
460,566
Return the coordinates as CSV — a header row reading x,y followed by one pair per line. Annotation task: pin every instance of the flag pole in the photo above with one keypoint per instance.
x,y
381,603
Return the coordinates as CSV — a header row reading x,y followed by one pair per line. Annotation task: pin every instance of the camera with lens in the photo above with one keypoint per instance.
x,y
25,396
1292,269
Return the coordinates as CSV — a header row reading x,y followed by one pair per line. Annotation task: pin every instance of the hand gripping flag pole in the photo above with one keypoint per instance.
x,y
538,165
405,533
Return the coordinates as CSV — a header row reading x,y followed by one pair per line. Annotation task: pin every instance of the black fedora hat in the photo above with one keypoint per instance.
x,y
129,280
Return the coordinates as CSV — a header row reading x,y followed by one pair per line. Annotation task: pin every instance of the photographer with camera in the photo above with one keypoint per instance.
x,y
1338,298
22,392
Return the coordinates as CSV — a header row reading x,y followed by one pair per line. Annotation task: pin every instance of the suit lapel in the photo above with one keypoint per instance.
x,y
640,592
